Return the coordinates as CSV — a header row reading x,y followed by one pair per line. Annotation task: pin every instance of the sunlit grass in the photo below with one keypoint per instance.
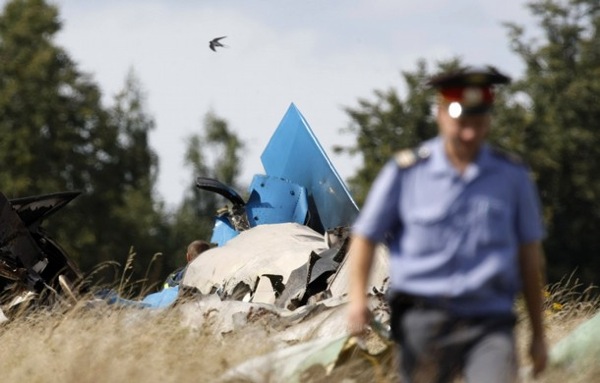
x,y
104,344
567,304
100,343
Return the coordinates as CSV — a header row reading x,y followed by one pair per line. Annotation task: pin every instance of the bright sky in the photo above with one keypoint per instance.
x,y
322,55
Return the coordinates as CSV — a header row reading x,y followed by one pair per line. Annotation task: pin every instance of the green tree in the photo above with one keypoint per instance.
x,y
389,124
552,122
48,108
53,128
216,154
135,210
57,136
548,117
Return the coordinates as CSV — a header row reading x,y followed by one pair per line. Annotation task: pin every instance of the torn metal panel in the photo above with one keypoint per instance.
x,y
301,185
276,283
269,288
222,317
316,360
272,200
29,259
324,345
295,290
3,317
325,318
295,154
379,277
33,211
265,291
276,200
316,320
289,363
312,278
579,347
16,243
223,230
328,263
275,249
215,186
313,321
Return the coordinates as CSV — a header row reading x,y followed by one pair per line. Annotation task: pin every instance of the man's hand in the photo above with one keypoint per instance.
x,y
531,261
539,355
361,254
359,317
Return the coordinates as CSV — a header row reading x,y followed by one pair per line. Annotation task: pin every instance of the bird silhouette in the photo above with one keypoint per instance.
x,y
214,43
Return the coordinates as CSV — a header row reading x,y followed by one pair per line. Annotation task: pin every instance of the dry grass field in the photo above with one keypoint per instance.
x,y
79,344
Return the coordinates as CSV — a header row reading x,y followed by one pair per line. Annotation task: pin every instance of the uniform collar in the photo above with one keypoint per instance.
x,y
440,165
485,159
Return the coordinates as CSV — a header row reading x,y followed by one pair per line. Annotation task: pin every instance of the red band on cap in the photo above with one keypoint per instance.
x,y
461,94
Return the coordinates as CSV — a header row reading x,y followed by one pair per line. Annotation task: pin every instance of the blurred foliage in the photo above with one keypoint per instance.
x,y
194,218
56,135
390,124
557,116
549,117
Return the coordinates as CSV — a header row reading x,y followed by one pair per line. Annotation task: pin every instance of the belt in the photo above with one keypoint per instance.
x,y
414,301
401,302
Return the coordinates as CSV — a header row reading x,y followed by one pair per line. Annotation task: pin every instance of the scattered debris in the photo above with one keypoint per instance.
x,y
32,265
581,346
281,259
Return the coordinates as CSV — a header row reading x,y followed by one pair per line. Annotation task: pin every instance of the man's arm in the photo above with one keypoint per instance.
x,y
362,251
532,266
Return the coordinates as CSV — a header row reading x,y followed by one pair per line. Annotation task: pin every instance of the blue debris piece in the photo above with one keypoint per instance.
x,y
301,186
276,200
295,154
272,200
579,347
161,299
112,298
223,231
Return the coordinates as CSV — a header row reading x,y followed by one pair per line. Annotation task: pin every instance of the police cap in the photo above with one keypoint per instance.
x,y
468,90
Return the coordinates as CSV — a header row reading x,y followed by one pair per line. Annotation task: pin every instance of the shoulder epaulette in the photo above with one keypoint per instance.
x,y
408,157
508,156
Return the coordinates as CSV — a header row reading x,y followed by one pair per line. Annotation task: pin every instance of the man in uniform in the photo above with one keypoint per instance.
x,y
463,225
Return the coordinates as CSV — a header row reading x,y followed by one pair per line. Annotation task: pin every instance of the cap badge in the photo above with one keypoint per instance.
x,y
472,96
478,78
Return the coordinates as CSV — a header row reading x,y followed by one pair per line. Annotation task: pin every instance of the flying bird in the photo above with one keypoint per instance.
x,y
216,43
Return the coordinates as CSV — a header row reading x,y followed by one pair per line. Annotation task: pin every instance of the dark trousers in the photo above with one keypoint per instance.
x,y
436,346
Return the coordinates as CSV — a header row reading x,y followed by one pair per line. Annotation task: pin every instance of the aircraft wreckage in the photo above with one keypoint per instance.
x,y
280,257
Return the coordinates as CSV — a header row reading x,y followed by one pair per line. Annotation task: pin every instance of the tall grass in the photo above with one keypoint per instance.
x,y
94,342
104,344
569,303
